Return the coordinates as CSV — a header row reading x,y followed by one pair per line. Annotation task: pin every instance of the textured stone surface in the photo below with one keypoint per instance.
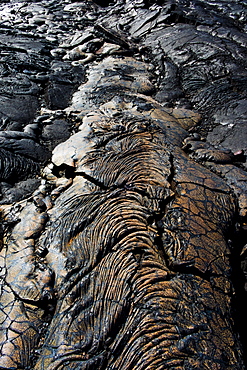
x,y
123,230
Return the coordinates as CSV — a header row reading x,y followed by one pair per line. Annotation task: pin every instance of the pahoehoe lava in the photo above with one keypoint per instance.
x,y
123,185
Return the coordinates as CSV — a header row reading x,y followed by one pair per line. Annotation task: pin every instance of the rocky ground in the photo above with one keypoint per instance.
x,y
61,60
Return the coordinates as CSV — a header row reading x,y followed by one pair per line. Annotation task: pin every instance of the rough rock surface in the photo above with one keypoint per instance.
x,y
123,235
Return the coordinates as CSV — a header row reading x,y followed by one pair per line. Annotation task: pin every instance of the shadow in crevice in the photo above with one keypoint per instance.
x,y
103,3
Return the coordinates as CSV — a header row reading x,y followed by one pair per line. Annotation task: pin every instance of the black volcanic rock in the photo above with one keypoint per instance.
x,y
123,185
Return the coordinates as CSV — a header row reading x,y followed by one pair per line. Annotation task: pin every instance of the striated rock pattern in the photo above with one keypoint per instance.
x,y
123,235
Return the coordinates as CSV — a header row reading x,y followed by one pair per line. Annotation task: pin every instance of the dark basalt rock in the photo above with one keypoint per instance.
x,y
63,80
25,188
56,132
14,167
123,230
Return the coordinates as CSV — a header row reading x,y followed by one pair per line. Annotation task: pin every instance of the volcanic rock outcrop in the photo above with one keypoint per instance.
x,y
123,236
